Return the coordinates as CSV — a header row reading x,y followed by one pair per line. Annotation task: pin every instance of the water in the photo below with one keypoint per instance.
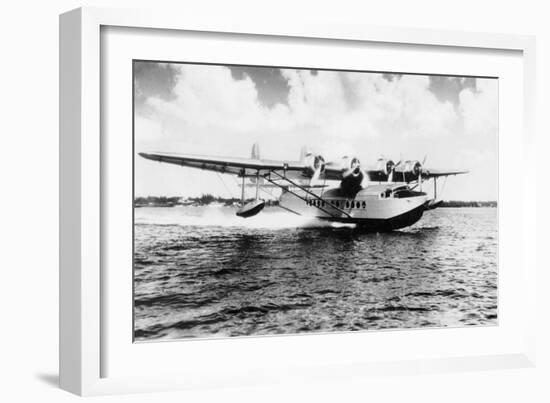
x,y
203,272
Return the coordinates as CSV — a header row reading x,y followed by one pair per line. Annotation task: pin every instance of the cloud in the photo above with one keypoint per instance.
x,y
211,111
479,109
272,87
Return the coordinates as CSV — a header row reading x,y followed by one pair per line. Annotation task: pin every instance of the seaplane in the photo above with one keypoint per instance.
x,y
392,199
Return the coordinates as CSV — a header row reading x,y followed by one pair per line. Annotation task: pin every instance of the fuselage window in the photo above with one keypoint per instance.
x,y
364,204
347,204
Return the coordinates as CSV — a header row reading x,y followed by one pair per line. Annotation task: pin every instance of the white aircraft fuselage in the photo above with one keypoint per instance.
x,y
383,207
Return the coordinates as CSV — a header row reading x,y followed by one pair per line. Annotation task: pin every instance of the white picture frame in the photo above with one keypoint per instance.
x,y
82,170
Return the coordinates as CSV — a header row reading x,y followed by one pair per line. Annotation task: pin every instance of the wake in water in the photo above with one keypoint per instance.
x,y
219,216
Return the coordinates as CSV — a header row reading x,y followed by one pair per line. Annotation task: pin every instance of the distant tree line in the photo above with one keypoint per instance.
x,y
203,200
460,203
206,199
156,201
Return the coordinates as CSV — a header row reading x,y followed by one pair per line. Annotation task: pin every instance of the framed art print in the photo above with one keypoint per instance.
x,y
268,202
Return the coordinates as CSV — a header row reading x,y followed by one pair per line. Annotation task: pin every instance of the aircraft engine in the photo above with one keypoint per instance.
x,y
389,167
413,167
315,165
384,170
417,168
384,166
411,171
352,175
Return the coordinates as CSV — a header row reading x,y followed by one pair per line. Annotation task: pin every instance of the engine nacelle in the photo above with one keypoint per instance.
x,y
384,166
413,167
314,163
410,171
351,166
352,175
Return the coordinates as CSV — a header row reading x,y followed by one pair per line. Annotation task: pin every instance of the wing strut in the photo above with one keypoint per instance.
x,y
242,192
257,184
252,208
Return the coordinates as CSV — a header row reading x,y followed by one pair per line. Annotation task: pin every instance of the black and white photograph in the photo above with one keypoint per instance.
x,y
281,200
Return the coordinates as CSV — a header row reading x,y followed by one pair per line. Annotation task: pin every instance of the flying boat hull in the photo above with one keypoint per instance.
x,y
371,208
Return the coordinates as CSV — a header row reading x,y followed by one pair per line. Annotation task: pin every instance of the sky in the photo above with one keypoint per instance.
x,y
223,110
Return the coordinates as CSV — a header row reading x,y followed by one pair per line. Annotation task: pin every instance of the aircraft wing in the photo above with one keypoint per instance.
x,y
251,167
229,165
436,173
399,175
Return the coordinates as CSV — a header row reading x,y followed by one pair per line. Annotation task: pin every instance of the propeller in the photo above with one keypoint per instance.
x,y
420,171
315,177
352,175
416,169
319,166
354,168
411,167
392,170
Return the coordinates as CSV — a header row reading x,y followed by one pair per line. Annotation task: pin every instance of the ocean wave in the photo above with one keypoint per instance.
x,y
218,275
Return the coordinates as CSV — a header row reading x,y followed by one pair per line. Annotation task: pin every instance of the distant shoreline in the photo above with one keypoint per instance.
x,y
205,200
459,203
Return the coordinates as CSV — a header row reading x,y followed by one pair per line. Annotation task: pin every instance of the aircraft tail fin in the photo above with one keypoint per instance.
x,y
255,154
